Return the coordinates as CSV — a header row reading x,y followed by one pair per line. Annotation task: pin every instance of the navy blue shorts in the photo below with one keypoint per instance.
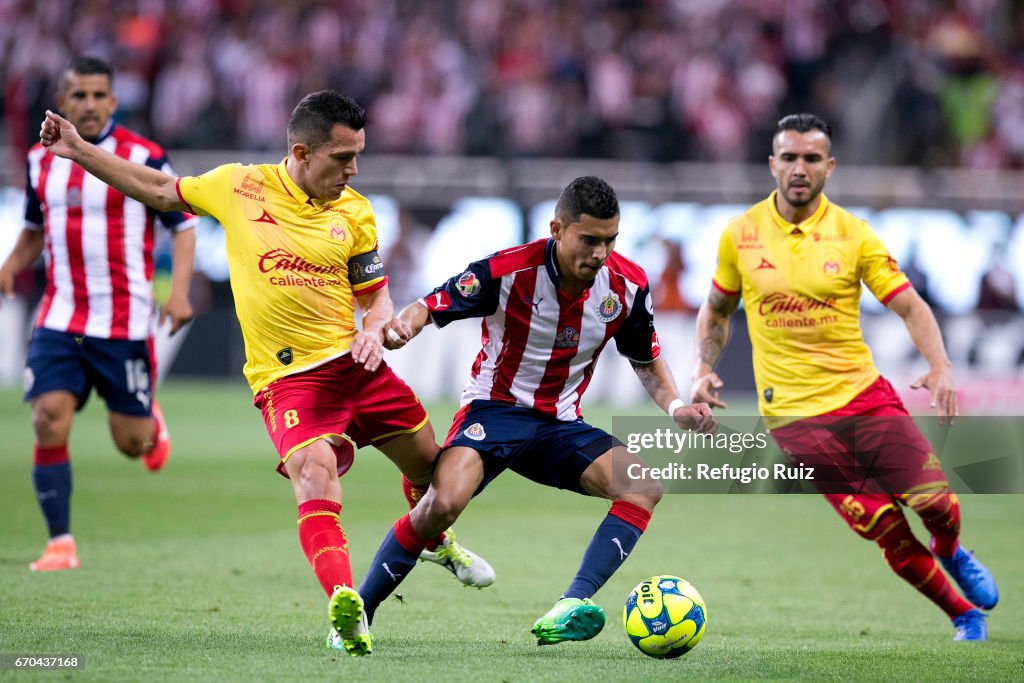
x,y
545,450
121,370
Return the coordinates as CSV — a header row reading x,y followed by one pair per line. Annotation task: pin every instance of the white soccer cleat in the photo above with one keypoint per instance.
x,y
467,566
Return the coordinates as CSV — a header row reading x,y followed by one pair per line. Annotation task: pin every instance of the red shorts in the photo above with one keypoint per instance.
x,y
866,455
342,403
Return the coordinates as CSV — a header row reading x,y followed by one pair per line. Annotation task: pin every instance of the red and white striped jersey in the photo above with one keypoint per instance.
x,y
99,243
540,347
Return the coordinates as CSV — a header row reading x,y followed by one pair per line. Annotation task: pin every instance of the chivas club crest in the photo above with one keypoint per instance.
x,y
285,355
609,307
468,284
476,432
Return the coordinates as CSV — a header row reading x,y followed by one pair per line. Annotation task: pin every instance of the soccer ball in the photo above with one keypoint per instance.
x,y
665,617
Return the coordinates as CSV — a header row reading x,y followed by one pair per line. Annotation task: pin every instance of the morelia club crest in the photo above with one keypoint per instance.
x,y
285,356
609,307
468,284
831,266
475,431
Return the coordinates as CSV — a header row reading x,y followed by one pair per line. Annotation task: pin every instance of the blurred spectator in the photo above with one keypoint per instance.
x,y
918,278
404,260
661,80
1008,113
668,295
968,89
998,291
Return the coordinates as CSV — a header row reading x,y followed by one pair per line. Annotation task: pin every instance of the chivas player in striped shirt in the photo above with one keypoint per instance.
x,y
95,323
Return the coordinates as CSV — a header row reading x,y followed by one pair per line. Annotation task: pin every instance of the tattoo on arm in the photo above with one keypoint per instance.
x,y
646,375
715,333
712,345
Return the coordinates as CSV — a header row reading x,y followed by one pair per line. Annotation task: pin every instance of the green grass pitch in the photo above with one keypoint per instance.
x,y
196,574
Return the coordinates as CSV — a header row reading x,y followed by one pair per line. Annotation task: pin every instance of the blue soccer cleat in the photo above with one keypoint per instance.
x,y
970,626
974,579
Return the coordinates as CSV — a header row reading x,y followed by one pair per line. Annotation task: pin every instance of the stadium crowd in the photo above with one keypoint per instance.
x,y
906,81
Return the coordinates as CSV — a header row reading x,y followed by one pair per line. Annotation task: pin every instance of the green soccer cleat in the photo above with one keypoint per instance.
x,y
351,632
468,567
569,619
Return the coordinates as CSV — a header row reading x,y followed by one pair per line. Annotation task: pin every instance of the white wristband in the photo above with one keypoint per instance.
x,y
675,405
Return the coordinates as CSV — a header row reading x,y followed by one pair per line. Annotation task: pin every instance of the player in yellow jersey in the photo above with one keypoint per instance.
x,y
797,261
301,244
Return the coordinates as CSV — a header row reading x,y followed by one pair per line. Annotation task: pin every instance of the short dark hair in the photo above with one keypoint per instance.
x,y
87,66
314,117
586,195
803,123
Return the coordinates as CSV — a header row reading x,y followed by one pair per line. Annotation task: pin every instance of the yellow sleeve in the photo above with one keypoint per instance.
x,y
879,270
366,231
207,194
727,276
365,269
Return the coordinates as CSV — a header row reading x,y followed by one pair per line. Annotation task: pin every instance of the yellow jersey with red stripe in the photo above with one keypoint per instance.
x,y
801,289
295,264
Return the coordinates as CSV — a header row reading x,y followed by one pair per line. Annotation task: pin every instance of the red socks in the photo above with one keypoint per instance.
x,y
629,512
323,541
413,493
940,513
45,457
915,565
406,536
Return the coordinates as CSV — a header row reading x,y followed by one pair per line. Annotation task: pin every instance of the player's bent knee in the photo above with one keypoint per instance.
x,y
441,511
646,494
648,499
313,473
131,445
49,420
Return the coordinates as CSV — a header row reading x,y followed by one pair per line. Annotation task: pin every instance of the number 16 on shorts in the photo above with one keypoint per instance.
x,y
136,379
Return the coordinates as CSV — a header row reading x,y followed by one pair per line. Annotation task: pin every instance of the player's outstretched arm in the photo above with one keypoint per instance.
x,y
399,331
367,345
142,183
712,332
657,379
924,330
177,307
26,250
